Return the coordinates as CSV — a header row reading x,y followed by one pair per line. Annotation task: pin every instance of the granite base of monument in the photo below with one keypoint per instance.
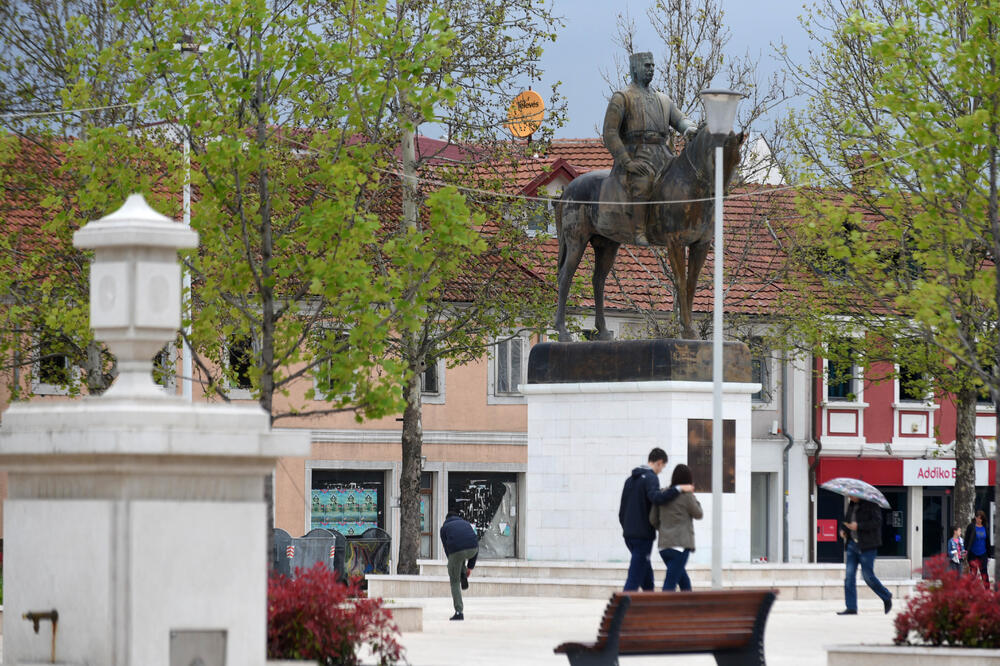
x,y
595,409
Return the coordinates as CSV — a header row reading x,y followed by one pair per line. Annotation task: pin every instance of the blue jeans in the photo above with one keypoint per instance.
x,y
676,573
640,571
867,560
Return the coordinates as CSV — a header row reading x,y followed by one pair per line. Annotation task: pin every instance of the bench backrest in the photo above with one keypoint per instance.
x,y
702,621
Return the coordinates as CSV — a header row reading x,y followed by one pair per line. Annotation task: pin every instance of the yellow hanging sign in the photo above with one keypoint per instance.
x,y
524,116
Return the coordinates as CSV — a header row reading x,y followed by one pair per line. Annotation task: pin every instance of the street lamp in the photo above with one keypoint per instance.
x,y
186,45
720,112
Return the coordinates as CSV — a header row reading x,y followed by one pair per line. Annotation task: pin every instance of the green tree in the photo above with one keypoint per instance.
x,y
905,99
62,70
488,294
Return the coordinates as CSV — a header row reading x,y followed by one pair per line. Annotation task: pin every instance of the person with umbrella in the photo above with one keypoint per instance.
x,y
861,530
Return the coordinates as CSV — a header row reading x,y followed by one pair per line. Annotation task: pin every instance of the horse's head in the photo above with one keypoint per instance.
x,y
700,150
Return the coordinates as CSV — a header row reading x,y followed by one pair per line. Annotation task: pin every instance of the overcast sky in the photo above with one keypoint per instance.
x,y
585,48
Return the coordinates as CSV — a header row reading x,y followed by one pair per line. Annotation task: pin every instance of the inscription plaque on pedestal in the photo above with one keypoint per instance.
x,y
699,457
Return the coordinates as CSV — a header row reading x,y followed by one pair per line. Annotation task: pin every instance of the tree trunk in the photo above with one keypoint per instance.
x,y
409,478
413,435
965,456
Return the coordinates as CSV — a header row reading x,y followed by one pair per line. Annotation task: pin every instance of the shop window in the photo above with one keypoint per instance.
x,y
348,501
426,515
488,500
830,508
894,520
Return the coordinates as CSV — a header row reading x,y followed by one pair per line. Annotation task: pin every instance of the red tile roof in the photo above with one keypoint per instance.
x,y
754,256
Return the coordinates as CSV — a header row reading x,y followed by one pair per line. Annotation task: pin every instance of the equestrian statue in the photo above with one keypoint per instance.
x,y
649,197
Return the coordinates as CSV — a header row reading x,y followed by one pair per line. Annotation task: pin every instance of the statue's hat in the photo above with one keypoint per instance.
x,y
636,58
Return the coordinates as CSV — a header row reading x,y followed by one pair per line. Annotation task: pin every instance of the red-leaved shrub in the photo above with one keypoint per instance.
x,y
315,616
951,609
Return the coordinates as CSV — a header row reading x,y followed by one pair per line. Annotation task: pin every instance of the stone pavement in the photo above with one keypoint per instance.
x,y
523,631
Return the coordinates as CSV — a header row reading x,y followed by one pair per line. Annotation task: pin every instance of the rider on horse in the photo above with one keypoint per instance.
x,y
637,134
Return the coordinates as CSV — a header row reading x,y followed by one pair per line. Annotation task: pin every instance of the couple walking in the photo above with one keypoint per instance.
x,y
644,508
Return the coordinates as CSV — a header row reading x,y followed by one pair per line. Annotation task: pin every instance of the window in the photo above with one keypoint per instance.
x,y
53,365
163,368
328,384
509,366
539,216
53,368
348,501
488,500
760,372
239,357
840,381
426,515
912,385
429,379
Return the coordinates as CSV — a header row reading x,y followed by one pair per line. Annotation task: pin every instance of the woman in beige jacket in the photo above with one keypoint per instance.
x,y
675,523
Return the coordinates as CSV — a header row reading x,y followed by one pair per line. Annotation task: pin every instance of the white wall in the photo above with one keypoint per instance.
x,y
585,439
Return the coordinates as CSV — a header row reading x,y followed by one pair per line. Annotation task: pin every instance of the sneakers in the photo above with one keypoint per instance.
x,y
465,581
457,616
848,611
887,603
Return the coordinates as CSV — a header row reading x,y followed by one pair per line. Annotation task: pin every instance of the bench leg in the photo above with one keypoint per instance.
x,y
592,659
751,656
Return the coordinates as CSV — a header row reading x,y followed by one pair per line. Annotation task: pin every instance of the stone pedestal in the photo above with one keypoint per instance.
x,y
585,437
142,522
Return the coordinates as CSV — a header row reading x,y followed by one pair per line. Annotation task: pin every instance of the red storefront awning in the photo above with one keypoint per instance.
x,y
876,471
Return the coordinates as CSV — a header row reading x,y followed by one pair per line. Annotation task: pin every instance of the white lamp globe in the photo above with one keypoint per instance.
x,y
720,109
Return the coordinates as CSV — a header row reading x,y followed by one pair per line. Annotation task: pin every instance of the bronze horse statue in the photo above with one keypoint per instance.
x,y
684,228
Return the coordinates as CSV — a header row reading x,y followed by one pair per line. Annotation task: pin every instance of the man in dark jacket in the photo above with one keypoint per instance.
x,y
861,530
461,545
641,492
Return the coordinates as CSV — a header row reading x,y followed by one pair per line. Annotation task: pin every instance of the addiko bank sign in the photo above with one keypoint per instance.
x,y
939,472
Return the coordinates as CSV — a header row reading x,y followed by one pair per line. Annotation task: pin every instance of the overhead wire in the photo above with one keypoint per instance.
x,y
513,195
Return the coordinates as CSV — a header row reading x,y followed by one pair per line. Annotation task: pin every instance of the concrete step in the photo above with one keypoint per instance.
x,y
402,587
615,572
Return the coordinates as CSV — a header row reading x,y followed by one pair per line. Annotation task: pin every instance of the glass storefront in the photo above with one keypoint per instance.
x,y
830,509
348,501
488,500
894,522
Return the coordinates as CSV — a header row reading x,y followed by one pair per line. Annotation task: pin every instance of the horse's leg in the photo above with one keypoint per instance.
x,y
696,259
604,258
679,264
571,247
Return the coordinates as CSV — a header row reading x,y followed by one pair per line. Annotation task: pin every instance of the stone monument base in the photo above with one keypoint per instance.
x,y
585,437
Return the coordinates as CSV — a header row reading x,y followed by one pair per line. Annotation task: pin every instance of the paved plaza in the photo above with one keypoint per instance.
x,y
523,631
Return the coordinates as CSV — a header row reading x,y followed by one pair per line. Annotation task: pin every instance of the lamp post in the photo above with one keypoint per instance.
x,y
720,112
186,45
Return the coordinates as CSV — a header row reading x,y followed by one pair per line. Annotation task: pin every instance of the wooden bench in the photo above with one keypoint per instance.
x,y
727,623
